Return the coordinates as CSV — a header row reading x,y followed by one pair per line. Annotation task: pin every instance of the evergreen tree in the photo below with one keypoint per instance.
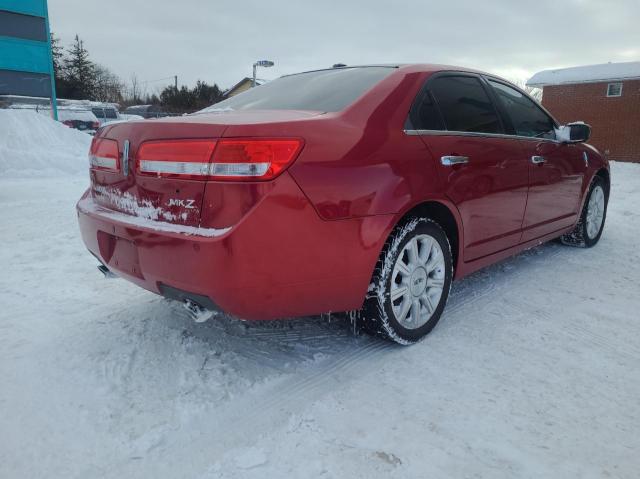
x,y
57,52
80,72
59,61
185,100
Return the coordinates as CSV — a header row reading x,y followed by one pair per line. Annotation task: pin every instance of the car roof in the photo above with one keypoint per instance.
x,y
408,68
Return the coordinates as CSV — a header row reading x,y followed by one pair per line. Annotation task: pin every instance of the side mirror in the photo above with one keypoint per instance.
x,y
576,132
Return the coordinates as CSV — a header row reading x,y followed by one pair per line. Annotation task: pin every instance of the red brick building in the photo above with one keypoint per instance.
x,y
607,97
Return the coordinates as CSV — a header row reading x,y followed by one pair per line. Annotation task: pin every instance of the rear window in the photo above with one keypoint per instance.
x,y
79,115
105,113
325,90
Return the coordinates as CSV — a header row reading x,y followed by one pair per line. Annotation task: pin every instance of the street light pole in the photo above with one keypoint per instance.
x,y
260,63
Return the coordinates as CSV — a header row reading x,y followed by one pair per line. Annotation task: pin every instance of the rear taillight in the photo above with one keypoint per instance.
x,y
95,125
68,123
175,159
253,159
229,159
104,154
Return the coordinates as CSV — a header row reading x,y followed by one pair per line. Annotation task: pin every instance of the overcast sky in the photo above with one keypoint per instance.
x,y
218,40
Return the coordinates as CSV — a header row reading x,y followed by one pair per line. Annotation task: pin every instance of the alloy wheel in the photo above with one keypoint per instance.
x,y
417,281
595,212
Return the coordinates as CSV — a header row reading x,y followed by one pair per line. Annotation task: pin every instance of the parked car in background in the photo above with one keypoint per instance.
x,y
105,113
129,117
146,111
363,189
83,120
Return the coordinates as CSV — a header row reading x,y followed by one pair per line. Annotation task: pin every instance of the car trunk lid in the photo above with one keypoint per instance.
x,y
179,200
126,190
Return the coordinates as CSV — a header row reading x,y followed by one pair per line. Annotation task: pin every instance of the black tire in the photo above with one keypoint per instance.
x,y
579,236
377,315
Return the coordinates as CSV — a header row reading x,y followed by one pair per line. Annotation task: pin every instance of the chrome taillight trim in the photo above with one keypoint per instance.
x,y
103,162
174,167
246,170
239,169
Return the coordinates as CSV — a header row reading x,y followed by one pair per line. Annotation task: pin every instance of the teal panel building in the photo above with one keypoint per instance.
x,y
26,64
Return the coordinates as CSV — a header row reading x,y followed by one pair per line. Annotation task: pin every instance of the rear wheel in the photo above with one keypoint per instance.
x,y
411,283
591,223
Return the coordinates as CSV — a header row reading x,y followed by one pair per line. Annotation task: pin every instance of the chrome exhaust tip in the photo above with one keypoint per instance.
x,y
197,312
108,274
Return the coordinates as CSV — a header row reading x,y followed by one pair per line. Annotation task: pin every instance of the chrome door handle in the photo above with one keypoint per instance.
x,y
538,160
454,160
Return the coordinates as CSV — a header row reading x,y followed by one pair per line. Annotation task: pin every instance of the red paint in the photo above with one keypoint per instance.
x,y
307,241
490,192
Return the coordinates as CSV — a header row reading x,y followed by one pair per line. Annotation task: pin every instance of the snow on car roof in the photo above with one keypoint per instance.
x,y
586,74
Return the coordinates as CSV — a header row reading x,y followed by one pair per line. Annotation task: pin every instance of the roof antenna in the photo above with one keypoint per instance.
x,y
338,65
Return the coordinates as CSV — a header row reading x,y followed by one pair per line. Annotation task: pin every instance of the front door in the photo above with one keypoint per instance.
x,y
484,170
556,170
556,174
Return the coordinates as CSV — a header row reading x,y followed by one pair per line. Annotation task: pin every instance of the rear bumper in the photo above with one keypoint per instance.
x,y
279,260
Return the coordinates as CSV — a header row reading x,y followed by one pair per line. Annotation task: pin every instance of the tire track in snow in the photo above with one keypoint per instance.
x,y
628,351
264,408
484,283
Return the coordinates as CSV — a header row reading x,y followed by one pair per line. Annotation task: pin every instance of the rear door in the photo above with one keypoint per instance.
x,y
485,173
556,169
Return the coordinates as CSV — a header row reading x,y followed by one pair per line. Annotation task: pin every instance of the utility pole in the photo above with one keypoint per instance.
x,y
175,78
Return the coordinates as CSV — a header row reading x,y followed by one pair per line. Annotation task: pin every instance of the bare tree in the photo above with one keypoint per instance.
x,y
137,89
108,87
535,93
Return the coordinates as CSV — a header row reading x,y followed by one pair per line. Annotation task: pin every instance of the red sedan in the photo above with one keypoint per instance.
x,y
363,189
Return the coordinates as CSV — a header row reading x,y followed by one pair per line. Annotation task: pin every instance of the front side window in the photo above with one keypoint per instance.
x,y
528,118
465,105
614,89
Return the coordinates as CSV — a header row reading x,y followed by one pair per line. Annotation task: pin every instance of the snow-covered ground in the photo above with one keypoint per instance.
x,y
533,371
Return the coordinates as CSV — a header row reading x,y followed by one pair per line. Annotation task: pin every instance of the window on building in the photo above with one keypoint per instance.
x,y
614,89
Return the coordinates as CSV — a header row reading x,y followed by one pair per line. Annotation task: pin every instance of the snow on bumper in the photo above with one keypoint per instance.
x,y
279,260
86,205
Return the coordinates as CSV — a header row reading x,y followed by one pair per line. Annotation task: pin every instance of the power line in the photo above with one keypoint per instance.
x,y
159,79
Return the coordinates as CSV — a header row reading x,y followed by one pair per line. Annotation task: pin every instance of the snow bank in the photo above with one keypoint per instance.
x,y
35,145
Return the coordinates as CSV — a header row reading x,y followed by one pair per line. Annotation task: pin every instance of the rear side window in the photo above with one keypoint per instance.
x,y
325,90
528,118
465,105
425,115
